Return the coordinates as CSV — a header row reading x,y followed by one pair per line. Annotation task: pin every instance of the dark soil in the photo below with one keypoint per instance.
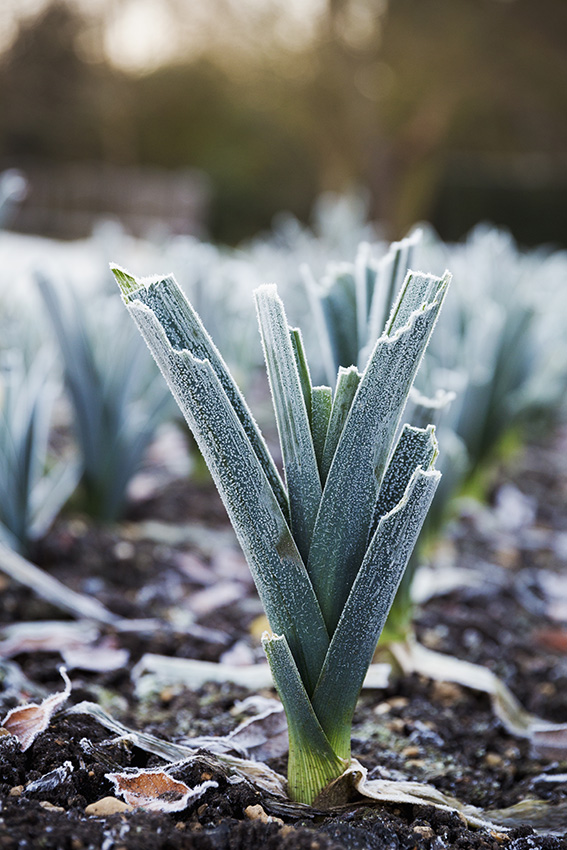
x,y
439,733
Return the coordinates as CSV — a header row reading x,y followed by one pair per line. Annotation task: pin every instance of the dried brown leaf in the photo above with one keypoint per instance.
x,y
26,722
155,790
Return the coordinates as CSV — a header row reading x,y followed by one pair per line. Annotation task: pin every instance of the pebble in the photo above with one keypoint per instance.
x,y
107,806
399,702
446,693
424,831
45,804
168,694
124,550
493,760
500,837
16,791
258,813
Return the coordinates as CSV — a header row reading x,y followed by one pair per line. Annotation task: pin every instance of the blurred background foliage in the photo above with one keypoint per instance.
x,y
451,112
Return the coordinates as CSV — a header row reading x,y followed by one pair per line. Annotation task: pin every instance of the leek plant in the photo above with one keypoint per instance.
x,y
13,190
116,401
352,301
327,549
502,339
350,305
33,486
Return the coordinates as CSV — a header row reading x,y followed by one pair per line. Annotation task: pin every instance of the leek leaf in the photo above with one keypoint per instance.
x,y
366,610
300,463
358,466
347,385
262,530
184,330
321,406
312,761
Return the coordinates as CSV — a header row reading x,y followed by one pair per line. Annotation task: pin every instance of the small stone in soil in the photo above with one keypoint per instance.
x,y
107,806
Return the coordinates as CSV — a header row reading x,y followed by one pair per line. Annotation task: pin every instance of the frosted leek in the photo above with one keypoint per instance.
x,y
328,545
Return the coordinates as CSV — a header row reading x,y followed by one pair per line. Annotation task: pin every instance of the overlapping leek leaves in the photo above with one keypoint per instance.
x,y
327,549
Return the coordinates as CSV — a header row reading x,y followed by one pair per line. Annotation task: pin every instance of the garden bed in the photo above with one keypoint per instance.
x,y
195,582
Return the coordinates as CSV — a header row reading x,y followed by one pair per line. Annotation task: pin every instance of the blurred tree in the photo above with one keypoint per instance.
x,y
407,98
48,93
200,115
471,76
393,90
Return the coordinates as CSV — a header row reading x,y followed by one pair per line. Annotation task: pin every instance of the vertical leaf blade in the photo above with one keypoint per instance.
x,y
367,608
390,272
347,385
321,406
262,530
357,469
184,330
300,463
302,367
312,761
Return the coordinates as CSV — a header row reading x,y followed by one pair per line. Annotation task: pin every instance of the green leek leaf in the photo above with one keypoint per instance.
x,y
347,385
359,463
366,610
184,330
300,463
312,761
262,530
321,406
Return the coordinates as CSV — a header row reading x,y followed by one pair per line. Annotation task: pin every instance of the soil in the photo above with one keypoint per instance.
x,y
434,732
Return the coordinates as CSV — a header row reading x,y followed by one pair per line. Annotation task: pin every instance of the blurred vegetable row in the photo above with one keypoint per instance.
x,y
80,400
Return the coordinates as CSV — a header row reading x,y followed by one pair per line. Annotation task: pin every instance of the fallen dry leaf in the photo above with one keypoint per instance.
x,y
258,738
103,658
155,790
26,722
552,639
220,595
550,742
355,779
46,636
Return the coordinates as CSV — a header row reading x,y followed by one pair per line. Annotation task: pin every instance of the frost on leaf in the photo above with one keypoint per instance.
x,y
260,737
26,722
155,790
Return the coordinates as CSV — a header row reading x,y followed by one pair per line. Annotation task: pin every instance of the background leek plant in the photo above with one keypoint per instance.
x,y
33,485
350,306
327,549
13,189
117,398
352,301
501,343
497,361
